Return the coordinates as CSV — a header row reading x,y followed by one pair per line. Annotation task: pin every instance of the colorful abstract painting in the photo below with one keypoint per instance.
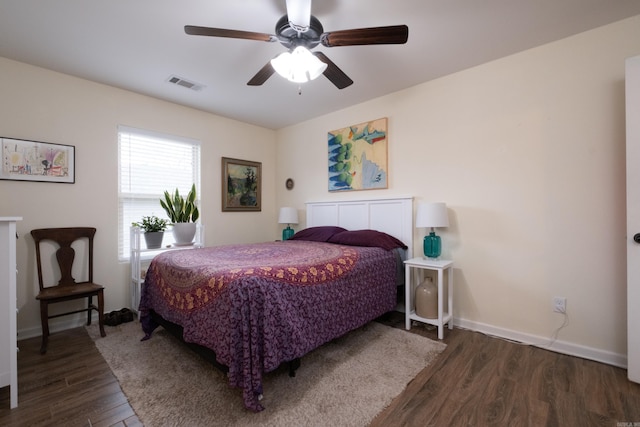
x,y
24,160
358,157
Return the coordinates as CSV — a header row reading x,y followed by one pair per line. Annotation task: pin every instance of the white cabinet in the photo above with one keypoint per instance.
x,y
8,327
141,256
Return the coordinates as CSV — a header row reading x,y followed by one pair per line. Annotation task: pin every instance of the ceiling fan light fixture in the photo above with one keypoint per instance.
x,y
299,32
298,66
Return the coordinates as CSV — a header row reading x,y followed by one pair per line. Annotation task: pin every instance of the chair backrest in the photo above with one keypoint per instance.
x,y
65,254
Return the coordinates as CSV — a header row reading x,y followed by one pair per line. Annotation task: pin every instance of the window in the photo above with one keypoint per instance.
x,y
148,164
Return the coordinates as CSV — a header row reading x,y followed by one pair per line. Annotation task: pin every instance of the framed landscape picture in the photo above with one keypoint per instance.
x,y
358,157
24,160
241,185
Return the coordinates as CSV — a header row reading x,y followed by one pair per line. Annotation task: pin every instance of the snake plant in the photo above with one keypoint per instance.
x,y
180,209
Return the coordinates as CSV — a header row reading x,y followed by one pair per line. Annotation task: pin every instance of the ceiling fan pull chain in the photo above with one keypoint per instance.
x,y
299,90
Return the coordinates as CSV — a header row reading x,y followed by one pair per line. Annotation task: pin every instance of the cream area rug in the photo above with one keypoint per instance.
x,y
346,382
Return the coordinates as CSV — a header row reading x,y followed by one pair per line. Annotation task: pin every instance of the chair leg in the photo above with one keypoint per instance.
x,y
90,298
44,320
101,313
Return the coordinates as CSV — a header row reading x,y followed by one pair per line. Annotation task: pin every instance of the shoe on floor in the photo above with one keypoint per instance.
x,y
126,315
113,319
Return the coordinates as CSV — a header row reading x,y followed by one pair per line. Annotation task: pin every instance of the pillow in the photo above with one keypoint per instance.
x,y
371,238
317,234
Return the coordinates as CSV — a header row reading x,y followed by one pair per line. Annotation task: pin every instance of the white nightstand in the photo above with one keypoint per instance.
x,y
413,280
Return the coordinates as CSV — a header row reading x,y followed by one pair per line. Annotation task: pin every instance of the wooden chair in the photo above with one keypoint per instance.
x,y
67,288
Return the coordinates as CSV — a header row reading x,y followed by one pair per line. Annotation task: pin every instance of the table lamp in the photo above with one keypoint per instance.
x,y
432,215
288,216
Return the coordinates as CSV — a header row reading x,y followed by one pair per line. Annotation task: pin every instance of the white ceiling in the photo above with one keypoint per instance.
x,y
137,44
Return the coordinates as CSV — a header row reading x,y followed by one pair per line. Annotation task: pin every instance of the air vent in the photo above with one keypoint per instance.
x,y
185,83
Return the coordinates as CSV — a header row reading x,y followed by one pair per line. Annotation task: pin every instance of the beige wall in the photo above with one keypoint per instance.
x,y
46,106
528,153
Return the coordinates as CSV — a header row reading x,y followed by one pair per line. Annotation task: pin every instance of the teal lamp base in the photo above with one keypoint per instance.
x,y
432,245
287,233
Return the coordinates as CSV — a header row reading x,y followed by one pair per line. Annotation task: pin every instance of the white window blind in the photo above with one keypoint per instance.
x,y
150,163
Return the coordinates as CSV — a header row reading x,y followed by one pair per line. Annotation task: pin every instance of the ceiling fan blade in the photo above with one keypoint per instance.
x,y
232,34
395,34
262,75
333,72
299,14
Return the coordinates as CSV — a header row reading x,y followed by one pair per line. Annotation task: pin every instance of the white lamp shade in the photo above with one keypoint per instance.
x,y
288,216
432,215
298,66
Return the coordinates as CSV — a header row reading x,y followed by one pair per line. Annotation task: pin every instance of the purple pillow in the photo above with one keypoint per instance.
x,y
371,238
317,234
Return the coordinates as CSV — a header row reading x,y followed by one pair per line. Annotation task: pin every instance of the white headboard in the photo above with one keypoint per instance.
x,y
393,216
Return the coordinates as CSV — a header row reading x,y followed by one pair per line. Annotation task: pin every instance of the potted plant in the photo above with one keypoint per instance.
x,y
183,214
154,228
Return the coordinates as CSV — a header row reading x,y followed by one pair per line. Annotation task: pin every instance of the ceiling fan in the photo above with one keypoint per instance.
x,y
299,32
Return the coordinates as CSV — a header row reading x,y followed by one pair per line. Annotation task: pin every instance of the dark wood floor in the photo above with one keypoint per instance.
x,y
71,385
476,381
484,381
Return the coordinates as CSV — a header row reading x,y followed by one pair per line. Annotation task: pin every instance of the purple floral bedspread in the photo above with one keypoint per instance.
x,y
262,304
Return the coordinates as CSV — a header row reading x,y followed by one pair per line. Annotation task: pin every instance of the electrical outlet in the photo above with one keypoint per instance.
x,y
559,304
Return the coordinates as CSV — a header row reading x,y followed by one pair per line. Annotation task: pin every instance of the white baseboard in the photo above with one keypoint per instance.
x,y
558,346
57,325
5,379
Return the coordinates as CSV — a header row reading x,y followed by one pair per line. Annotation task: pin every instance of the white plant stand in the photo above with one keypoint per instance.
x,y
140,257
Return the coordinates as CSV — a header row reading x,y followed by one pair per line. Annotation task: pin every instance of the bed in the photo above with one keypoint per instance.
x,y
260,305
